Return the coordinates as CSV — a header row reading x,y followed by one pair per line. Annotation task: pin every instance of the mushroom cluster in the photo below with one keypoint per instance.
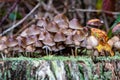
x,y
53,35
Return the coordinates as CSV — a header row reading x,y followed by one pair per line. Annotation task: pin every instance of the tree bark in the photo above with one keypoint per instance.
x,y
78,68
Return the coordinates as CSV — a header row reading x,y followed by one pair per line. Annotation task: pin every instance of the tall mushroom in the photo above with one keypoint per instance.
x,y
74,24
62,21
59,37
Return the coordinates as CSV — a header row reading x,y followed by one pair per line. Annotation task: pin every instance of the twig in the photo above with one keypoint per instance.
x,y
88,10
14,26
9,11
24,27
106,22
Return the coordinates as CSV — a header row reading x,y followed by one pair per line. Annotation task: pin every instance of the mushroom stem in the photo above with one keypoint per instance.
x,y
75,51
72,51
3,57
47,49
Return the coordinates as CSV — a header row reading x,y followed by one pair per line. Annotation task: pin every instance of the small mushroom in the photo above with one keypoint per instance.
x,y
54,48
117,45
30,48
92,41
110,42
3,39
42,22
52,27
24,33
2,46
67,31
48,41
38,44
33,30
59,36
77,43
61,47
61,20
115,39
95,22
41,36
11,42
78,36
116,29
31,40
74,24
69,40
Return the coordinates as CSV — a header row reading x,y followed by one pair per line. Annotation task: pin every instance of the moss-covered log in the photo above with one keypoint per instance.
x,y
60,68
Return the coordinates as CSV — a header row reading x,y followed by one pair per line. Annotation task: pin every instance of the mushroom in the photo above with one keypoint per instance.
x,y
24,33
11,42
92,41
2,46
110,42
54,48
117,45
30,48
59,36
48,41
38,44
31,40
33,30
61,47
67,31
74,24
52,27
95,22
116,29
113,40
61,20
3,40
42,22
69,40
41,35
78,36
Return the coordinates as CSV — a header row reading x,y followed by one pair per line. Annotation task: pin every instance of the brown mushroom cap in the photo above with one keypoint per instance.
x,y
116,29
95,22
61,20
59,36
52,27
54,48
41,35
30,48
48,41
24,33
69,40
67,31
84,43
11,42
38,44
77,43
117,45
115,38
61,47
31,40
42,22
3,39
92,41
2,47
33,30
78,35
74,24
